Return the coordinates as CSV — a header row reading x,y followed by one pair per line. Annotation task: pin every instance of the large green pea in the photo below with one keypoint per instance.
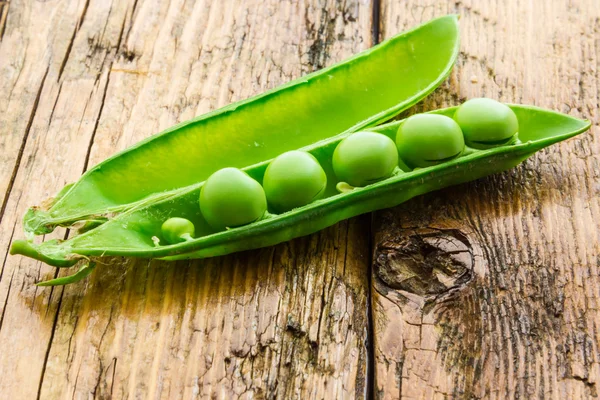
x,y
424,140
486,123
364,158
231,198
294,179
176,230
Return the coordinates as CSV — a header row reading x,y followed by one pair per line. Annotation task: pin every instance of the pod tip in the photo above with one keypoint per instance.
x,y
22,247
47,252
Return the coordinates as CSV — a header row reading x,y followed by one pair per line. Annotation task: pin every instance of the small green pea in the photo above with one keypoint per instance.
x,y
486,123
424,140
364,158
176,230
294,179
230,198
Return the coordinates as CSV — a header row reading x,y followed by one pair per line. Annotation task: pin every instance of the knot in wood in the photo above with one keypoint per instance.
x,y
425,262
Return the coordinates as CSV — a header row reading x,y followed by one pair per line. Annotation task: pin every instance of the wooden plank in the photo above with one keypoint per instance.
x,y
31,60
62,126
490,289
288,321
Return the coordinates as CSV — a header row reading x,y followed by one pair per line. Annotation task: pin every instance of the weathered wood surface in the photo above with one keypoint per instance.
x,y
81,80
491,289
486,290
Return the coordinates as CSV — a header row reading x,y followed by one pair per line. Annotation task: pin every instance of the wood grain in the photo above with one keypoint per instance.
x,y
490,289
486,290
285,322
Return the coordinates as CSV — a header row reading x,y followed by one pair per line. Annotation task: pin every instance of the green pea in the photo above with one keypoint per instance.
x,y
486,123
176,230
364,158
294,179
424,140
230,198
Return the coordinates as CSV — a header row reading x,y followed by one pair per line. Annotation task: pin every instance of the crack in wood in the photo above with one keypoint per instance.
x,y
4,6
22,147
49,346
12,234
5,306
531,309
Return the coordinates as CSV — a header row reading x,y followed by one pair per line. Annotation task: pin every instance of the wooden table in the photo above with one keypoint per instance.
x,y
485,290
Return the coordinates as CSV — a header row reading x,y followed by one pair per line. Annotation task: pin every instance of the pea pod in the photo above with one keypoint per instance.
x,y
362,91
133,233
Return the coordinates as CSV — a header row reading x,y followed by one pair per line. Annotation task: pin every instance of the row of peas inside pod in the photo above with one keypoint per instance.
x,y
230,197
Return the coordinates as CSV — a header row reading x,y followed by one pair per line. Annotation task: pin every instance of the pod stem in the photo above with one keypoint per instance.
x,y
267,215
468,150
186,237
31,250
397,171
344,187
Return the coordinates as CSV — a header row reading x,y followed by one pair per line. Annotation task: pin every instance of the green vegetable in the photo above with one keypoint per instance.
x,y
231,198
429,139
176,230
362,91
294,179
130,233
85,270
364,158
487,123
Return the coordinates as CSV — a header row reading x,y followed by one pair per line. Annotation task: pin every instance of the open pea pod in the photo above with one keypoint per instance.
x,y
359,92
137,232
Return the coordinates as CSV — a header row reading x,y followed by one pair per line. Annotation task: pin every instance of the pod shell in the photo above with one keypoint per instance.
x,y
129,234
359,92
